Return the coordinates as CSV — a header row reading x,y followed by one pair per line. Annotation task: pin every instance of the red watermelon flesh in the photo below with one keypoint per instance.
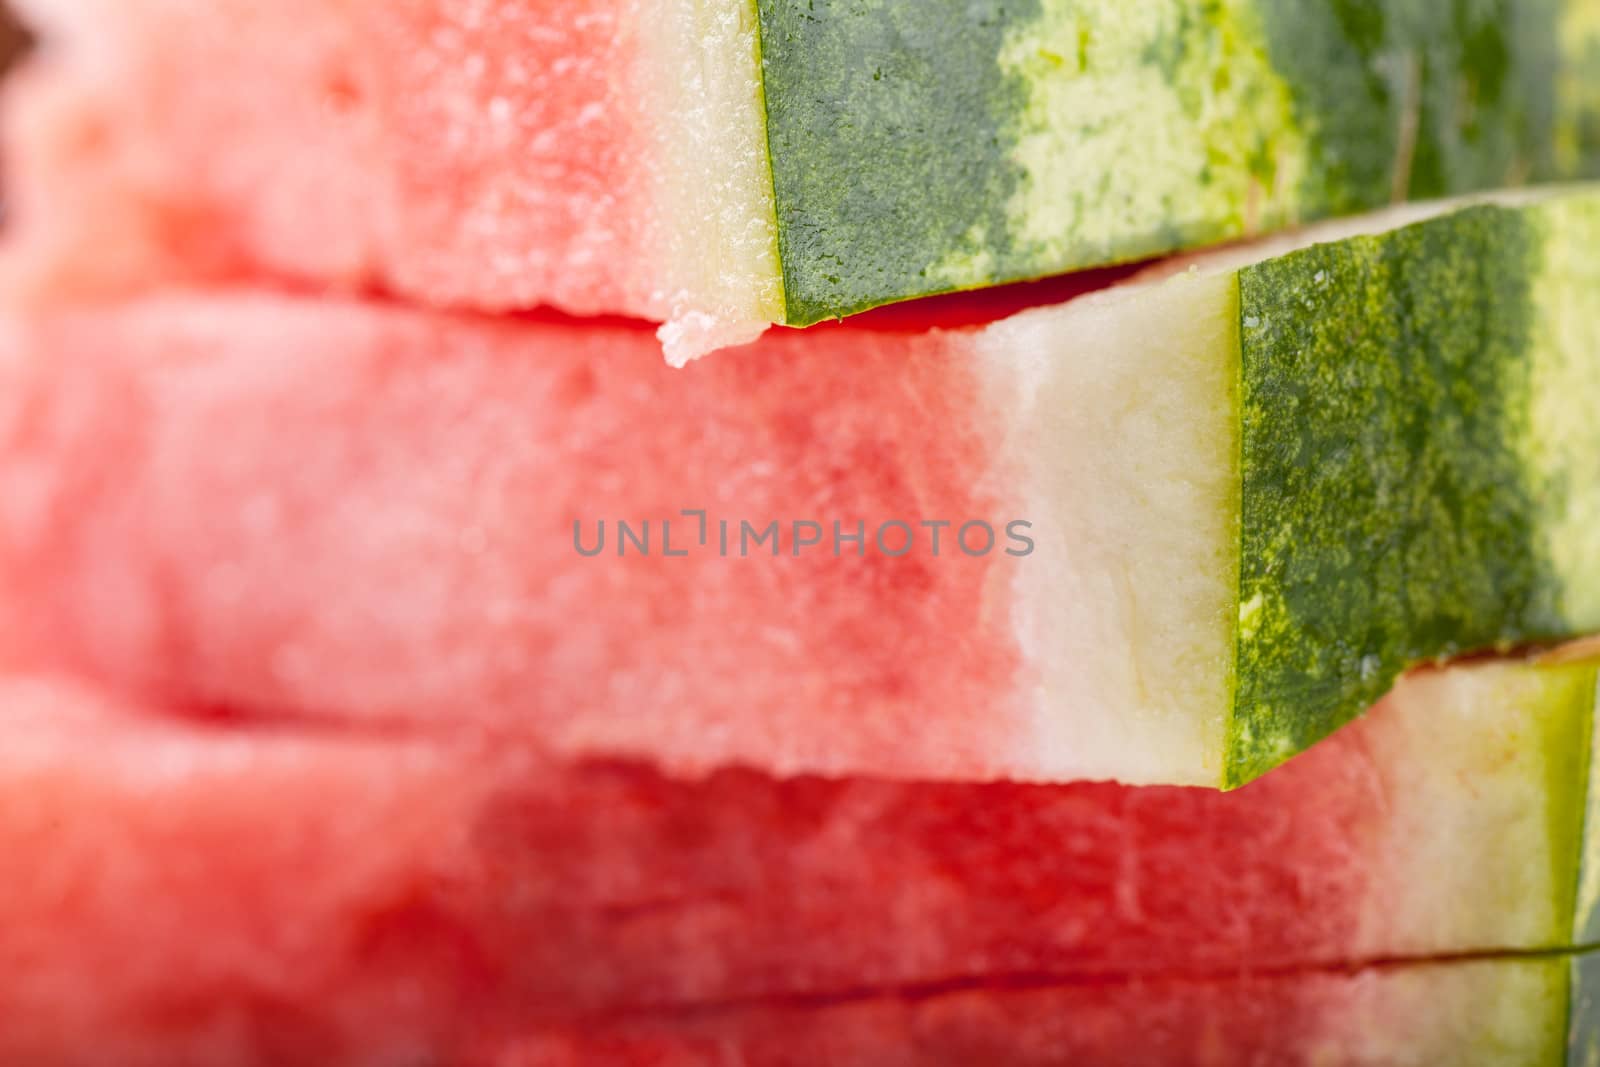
x,y
393,182
185,896
496,156
282,506
209,893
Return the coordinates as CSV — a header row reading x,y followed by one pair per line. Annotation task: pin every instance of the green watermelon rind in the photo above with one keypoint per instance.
x,y
1416,461
1199,121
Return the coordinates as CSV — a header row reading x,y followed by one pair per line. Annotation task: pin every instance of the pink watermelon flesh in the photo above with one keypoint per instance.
x,y
269,506
341,144
1488,1012
194,893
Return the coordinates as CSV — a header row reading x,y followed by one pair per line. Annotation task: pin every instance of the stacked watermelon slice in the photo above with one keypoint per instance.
x,y
401,664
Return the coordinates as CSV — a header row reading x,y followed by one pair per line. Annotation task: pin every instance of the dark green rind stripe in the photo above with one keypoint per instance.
x,y
920,146
1420,99
1398,502
886,126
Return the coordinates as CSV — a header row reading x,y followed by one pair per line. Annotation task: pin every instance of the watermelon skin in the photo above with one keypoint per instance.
x,y
1195,635
1103,132
228,892
526,154
1483,470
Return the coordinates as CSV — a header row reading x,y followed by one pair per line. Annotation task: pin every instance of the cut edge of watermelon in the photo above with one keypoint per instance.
x,y
714,179
1095,389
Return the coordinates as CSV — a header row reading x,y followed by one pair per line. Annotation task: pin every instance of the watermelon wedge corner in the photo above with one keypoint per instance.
x,y
729,164
252,895
1169,535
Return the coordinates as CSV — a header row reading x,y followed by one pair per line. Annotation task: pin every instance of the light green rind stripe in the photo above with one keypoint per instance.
x,y
1536,752
920,146
1586,905
1583,1013
1146,127
1566,698
1527,1018
1561,451
1418,457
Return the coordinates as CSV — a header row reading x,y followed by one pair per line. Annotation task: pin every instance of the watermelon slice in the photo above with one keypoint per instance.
x,y
1172,535
728,164
1504,1013
210,893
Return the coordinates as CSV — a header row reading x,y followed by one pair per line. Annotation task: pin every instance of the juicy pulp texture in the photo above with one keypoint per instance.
x,y
1172,534
733,163
496,155
269,505
604,156
242,893
189,896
